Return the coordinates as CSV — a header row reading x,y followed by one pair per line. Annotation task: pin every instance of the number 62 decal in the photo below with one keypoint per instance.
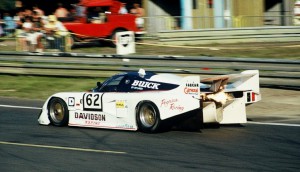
x,y
92,101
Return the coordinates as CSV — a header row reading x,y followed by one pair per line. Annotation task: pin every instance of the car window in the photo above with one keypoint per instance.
x,y
112,85
115,81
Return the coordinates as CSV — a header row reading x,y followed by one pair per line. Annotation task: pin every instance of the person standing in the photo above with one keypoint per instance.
x,y
28,42
123,9
61,13
10,25
297,13
1,29
37,31
39,12
139,12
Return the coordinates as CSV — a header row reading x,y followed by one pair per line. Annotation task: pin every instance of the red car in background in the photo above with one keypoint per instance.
x,y
100,19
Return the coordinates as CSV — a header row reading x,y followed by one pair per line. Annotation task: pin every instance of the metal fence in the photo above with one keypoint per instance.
x,y
233,35
272,72
156,24
29,42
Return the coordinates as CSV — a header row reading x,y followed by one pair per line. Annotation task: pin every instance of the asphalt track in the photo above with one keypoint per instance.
x,y
27,146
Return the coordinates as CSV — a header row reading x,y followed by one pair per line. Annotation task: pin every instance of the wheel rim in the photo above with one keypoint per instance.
x,y
148,115
57,112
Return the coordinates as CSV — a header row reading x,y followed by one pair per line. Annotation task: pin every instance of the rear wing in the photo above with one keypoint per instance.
x,y
245,81
225,97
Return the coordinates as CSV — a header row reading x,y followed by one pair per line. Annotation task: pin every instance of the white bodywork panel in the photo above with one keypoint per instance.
x,y
115,110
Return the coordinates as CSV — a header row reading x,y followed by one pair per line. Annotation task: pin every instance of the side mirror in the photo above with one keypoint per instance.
x,y
99,84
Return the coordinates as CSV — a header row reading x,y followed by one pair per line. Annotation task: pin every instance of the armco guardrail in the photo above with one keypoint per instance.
x,y
272,72
233,35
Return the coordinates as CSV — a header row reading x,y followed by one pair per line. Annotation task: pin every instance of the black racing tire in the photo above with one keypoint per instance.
x,y
113,38
58,112
148,117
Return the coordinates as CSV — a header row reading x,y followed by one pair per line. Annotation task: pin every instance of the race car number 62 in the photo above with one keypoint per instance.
x,y
92,101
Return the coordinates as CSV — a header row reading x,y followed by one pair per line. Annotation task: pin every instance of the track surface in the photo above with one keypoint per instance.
x,y
27,146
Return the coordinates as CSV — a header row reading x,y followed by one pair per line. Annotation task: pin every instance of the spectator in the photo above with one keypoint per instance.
x,y
37,31
18,5
139,13
38,10
56,31
297,13
55,26
10,25
33,33
27,12
137,10
96,15
80,10
19,19
27,25
123,9
1,29
27,30
61,13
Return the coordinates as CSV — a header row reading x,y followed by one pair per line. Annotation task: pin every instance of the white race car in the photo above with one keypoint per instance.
x,y
147,101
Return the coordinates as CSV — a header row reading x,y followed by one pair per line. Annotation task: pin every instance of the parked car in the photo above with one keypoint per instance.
x,y
97,19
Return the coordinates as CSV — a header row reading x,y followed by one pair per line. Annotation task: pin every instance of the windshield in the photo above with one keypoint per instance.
x,y
113,84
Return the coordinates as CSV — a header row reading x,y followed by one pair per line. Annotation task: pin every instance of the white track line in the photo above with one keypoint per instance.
x,y
20,107
268,123
62,148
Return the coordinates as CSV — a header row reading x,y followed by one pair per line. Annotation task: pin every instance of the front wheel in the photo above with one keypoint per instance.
x,y
148,117
58,112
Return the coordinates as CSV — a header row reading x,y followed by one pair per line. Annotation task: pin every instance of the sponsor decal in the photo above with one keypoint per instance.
x,y
92,101
172,104
92,123
120,104
191,88
139,85
90,116
125,126
71,101
125,39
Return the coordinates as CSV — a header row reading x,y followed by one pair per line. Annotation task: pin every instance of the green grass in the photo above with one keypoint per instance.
x,y
282,50
35,87
287,50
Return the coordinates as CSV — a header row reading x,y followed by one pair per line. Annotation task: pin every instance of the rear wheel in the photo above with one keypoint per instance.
x,y
148,117
58,112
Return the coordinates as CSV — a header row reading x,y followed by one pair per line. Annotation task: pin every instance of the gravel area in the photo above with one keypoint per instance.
x,y
277,105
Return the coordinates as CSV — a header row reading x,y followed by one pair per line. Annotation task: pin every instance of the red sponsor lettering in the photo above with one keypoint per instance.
x,y
189,90
171,104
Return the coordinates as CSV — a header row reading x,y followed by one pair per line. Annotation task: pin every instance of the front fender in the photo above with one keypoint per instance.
x,y
43,118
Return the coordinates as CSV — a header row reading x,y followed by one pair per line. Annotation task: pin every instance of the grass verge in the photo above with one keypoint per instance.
x,y
36,87
287,50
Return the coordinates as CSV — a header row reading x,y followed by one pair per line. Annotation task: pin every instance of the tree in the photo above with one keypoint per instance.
x,y
7,5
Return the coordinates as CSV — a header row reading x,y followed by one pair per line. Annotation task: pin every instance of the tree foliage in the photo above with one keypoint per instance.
x,y
7,5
